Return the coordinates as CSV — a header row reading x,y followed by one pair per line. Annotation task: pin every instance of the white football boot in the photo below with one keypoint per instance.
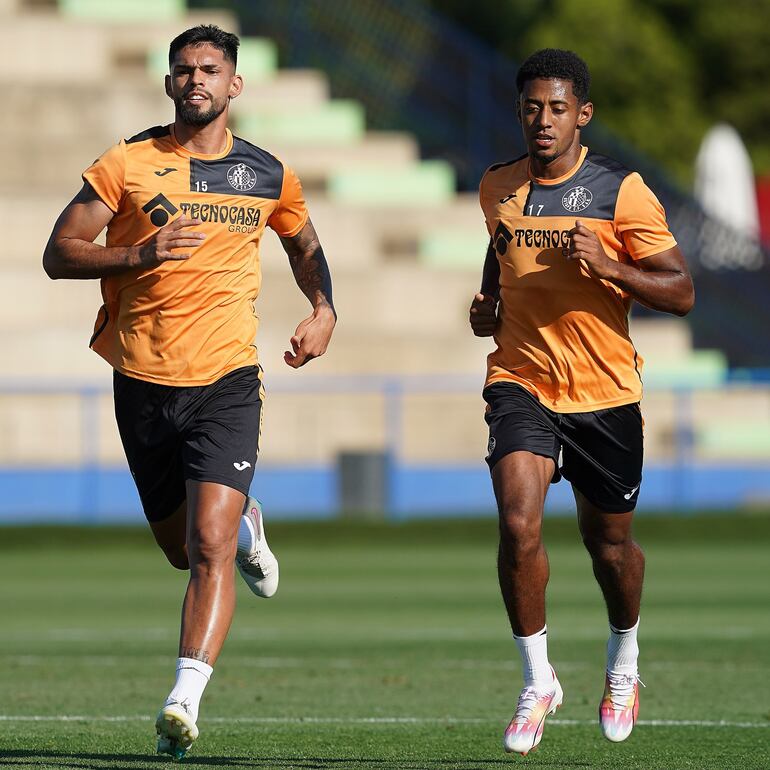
x,y
176,730
525,730
619,706
258,567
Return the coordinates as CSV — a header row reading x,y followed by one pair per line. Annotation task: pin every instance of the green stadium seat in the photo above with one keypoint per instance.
x,y
157,62
701,369
430,182
461,249
339,121
124,10
257,60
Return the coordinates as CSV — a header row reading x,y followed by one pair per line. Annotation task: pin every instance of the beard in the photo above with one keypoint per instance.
x,y
546,157
195,116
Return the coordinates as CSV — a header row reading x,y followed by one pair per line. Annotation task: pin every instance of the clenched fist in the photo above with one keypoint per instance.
x,y
483,315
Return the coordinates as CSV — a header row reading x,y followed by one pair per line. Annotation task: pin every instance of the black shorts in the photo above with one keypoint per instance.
x,y
599,453
200,433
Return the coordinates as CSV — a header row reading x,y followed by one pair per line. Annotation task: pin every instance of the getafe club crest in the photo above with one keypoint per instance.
x,y
577,199
241,177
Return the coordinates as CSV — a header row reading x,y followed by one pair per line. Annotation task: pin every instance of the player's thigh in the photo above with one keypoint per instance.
x,y
221,441
600,528
170,534
152,445
523,450
213,514
518,422
520,480
603,455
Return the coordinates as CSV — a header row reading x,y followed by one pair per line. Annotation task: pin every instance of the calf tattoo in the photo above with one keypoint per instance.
x,y
194,653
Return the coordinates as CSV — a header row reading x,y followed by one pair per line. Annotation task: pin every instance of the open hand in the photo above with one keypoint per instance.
x,y
311,337
174,235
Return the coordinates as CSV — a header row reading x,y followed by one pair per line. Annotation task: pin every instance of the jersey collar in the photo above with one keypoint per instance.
x,y
563,177
180,150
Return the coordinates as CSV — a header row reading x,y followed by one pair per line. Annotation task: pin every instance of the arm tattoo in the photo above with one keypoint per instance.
x,y
194,653
308,263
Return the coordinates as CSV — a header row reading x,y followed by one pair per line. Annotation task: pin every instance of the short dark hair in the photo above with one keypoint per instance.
x,y
226,42
556,63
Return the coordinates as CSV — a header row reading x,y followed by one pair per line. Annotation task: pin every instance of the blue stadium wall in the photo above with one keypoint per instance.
x,y
102,495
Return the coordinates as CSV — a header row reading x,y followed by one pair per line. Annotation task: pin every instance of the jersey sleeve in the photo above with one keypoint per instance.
x,y
107,175
290,214
640,219
483,201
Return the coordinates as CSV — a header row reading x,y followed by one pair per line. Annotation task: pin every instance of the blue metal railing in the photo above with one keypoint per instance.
x,y
92,490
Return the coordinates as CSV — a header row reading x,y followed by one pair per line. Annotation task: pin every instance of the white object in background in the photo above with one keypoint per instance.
x,y
724,180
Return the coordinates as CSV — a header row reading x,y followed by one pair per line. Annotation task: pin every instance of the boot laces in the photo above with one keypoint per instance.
x,y
622,688
251,563
528,699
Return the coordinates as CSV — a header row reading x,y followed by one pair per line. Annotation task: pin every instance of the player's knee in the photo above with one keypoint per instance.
x,y
211,548
608,551
519,530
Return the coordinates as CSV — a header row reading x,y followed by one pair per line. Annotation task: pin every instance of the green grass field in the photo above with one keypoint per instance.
x,y
386,647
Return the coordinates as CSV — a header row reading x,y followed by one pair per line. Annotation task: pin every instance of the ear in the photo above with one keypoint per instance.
x,y
167,84
236,86
585,114
518,110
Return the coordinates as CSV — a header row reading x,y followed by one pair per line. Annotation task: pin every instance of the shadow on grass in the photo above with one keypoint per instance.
x,y
94,761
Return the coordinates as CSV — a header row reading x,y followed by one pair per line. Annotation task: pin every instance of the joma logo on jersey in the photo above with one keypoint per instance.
x,y
242,219
159,209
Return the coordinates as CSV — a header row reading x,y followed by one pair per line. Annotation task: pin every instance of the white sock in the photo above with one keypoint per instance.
x,y
192,676
245,537
622,650
534,659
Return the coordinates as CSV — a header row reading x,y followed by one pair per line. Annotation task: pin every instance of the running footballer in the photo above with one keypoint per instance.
x,y
185,207
575,237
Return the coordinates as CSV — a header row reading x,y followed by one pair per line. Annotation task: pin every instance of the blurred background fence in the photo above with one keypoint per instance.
x,y
389,112
370,446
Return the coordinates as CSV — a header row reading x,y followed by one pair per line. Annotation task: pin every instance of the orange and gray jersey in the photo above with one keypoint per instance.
x,y
563,333
189,322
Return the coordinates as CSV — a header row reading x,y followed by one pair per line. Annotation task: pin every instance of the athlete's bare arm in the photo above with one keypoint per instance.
x,y
661,282
483,313
312,275
72,253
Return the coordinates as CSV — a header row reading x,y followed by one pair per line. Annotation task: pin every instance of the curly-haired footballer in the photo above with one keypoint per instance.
x,y
575,237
